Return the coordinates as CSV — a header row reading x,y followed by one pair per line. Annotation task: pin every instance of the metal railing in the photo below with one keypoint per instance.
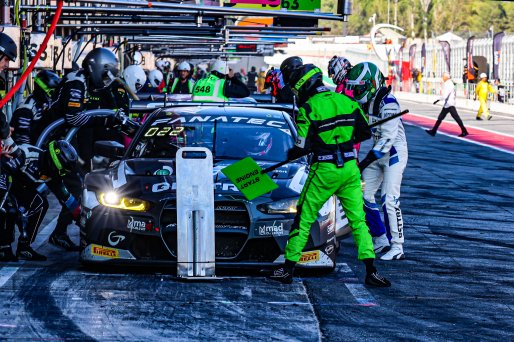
x,y
433,86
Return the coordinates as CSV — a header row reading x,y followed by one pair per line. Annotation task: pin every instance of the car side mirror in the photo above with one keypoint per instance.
x,y
109,149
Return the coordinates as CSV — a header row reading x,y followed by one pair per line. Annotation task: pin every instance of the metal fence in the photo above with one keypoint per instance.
x,y
436,65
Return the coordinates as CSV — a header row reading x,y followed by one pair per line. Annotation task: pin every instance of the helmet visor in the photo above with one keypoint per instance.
x,y
359,89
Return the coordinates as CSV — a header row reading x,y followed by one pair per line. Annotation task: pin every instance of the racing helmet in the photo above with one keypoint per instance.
x,y
304,79
338,67
101,68
155,77
268,80
184,66
45,83
135,77
257,143
364,79
219,68
8,47
163,65
63,157
288,66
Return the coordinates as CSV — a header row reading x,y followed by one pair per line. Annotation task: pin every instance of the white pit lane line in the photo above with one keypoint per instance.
x,y
6,272
361,294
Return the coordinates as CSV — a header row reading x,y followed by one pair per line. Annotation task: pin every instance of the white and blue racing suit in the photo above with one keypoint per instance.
x,y
390,147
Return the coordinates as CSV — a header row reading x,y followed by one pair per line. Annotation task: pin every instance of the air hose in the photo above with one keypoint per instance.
x,y
42,48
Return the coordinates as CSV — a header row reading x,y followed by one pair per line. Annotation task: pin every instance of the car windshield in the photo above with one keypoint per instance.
x,y
235,139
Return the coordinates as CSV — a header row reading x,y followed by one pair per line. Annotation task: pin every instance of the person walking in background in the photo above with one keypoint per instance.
x,y
261,78
251,79
482,92
448,96
500,90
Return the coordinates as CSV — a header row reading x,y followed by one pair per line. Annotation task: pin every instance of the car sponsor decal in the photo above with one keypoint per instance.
x,y
297,182
160,187
138,225
212,118
104,252
164,171
307,257
114,239
272,228
329,249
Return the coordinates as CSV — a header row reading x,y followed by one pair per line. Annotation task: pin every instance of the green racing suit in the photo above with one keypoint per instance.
x,y
328,126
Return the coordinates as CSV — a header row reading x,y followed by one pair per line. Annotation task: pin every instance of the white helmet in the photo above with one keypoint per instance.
x,y
162,65
184,66
220,66
483,75
135,77
155,77
338,67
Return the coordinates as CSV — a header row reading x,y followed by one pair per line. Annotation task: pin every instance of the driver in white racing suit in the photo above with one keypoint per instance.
x,y
384,165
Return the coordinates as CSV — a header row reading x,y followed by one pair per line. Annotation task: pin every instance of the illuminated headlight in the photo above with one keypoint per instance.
x,y
287,206
113,200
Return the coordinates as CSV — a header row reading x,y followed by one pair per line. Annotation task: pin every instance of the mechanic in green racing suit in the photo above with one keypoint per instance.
x,y
329,124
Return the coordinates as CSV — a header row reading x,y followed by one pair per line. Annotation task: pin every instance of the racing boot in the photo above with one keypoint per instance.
x,y
64,241
395,253
376,280
283,273
372,277
6,254
381,244
26,252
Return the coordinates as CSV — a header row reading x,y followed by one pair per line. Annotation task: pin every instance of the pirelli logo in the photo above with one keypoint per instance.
x,y
309,257
74,104
104,252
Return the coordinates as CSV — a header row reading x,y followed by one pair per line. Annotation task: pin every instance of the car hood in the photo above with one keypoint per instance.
x,y
149,178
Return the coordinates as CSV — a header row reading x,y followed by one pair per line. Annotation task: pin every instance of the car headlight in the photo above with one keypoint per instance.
x,y
113,200
287,206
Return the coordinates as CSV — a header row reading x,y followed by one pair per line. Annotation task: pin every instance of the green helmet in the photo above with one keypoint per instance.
x,y
364,79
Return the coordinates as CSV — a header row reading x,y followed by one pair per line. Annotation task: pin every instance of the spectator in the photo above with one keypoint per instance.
x,y
448,96
251,79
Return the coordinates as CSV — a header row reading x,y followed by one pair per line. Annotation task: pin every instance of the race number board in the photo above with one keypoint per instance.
x,y
247,176
46,60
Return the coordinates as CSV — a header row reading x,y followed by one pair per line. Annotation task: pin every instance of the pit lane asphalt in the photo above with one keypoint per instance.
x,y
457,282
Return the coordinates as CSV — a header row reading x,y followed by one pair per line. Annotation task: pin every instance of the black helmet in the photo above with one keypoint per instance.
x,y
45,82
8,47
304,79
100,67
63,156
288,66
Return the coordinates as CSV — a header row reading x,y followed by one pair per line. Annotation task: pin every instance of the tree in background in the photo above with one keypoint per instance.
x,y
464,17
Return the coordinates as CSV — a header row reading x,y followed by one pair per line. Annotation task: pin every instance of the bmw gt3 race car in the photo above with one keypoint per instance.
x,y
129,213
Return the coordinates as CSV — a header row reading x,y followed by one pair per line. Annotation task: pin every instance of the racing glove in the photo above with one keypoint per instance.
x,y
121,121
435,102
370,158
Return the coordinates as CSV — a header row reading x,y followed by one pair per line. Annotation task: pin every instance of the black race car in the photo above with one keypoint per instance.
x,y
129,212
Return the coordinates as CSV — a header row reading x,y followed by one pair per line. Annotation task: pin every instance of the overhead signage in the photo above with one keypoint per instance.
x,y
255,4
246,48
290,5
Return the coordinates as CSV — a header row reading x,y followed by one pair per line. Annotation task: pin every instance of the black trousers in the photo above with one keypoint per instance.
x,y
453,112
73,183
